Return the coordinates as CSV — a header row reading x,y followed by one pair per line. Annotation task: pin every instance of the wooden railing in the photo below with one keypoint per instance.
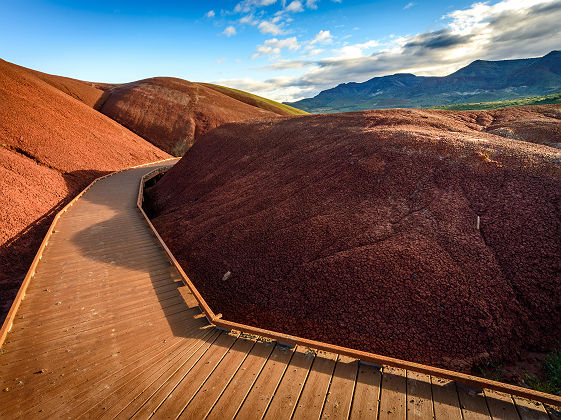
x,y
219,322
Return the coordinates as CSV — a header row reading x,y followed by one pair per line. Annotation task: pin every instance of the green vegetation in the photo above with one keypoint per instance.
x,y
554,98
549,383
258,101
552,370
490,370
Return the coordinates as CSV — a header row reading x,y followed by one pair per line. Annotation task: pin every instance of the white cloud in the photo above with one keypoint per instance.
x,y
249,85
246,6
322,37
249,20
269,27
311,4
295,6
274,46
288,64
210,14
315,51
408,5
356,50
220,60
229,31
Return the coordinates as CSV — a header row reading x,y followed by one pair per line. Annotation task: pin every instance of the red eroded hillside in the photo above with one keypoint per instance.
x,y
86,92
536,124
361,229
171,113
52,146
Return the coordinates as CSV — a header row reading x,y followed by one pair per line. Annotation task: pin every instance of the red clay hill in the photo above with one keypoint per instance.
x,y
536,124
361,229
52,144
171,113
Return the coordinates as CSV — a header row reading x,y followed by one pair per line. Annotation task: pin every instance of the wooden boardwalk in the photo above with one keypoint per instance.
x,y
107,329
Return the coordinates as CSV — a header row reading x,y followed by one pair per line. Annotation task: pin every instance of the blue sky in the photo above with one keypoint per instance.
x,y
284,50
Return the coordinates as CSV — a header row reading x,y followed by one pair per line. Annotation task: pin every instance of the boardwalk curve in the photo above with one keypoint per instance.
x,y
108,329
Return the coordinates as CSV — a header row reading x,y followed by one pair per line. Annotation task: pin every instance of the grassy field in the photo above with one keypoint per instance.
x,y
257,101
554,98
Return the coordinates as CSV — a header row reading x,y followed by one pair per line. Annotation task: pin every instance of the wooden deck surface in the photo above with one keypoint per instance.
x,y
107,330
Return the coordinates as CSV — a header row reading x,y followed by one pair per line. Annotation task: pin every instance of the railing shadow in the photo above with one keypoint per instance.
x,y
123,243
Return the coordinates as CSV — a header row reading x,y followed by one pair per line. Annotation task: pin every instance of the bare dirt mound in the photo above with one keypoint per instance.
x,y
86,92
536,124
361,229
51,146
171,113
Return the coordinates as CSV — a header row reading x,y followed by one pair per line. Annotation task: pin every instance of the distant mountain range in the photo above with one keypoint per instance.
x,y
480,81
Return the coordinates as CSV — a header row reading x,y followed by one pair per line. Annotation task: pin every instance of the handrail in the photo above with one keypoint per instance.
x,y
9,320
202,303
217,321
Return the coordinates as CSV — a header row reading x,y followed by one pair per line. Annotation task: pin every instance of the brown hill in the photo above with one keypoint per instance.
x,y
86,92
171,113
536,124
362,229
52,146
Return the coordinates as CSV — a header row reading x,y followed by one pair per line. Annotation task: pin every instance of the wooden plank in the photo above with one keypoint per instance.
x,y
446,399
501,406
84,353
201,404
79,311
188,385
177,308
262,392
472,403
84,310
148,401
87,285
161,326
138,262
393,401
100,247
76,400
118,398
75,304
68,379
367,392
26,401
419,396
286,395
312,397
67,238
340,394
235,393
553,411
7,324
530,410
136,280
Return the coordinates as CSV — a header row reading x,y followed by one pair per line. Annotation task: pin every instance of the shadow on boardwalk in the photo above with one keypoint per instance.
x,y
123,240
